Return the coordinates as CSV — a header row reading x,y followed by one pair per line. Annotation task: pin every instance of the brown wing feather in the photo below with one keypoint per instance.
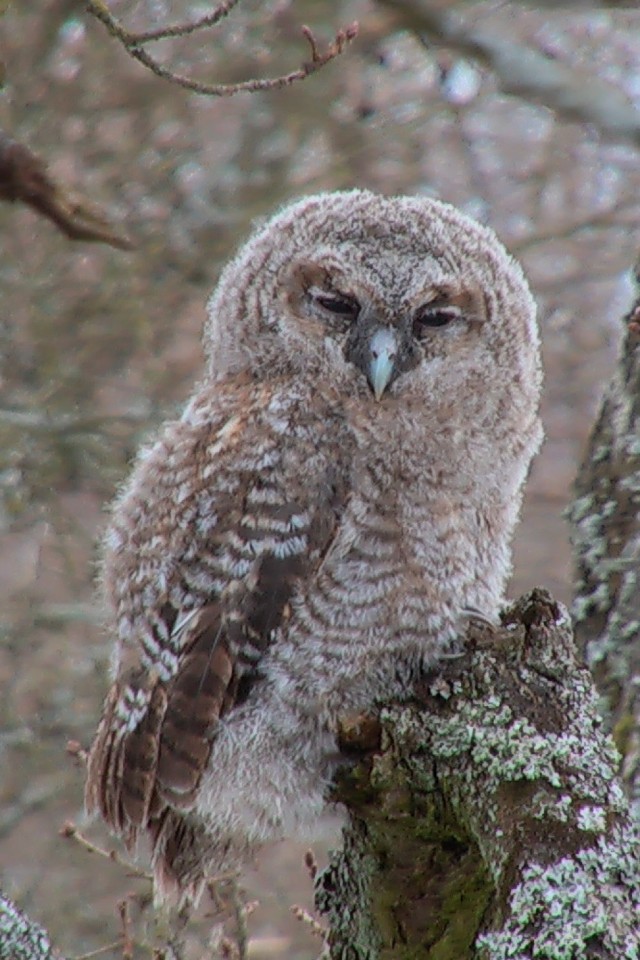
x,y
157,729
211,678
197,697
139,760
121,764
133,775
104,766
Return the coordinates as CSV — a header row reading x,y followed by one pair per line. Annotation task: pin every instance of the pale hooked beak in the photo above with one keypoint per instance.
x,y
383,347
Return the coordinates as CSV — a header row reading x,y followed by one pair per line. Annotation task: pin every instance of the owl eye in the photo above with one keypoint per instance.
x,y
431,315
338,303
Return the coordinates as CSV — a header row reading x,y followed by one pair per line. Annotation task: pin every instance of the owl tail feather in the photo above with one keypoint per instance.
x,y
178,874
121,766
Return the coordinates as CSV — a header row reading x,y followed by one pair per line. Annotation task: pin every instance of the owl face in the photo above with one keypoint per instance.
x,y
377,332
387,299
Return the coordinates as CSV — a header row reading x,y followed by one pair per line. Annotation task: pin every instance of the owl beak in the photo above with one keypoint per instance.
x,y
383,349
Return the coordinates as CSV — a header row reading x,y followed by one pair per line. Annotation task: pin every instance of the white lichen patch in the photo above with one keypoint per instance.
x,y
631,483
580,508
509,749
592,819
559,911
632,444
581,608
601,597
440,688
515,752
631,629
484,743
544,806
602,452
617,800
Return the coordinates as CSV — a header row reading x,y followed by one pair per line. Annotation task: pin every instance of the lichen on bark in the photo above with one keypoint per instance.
x,y
605,522
489,823
20,937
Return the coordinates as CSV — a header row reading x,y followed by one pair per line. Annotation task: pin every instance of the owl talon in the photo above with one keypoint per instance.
x,y
473,614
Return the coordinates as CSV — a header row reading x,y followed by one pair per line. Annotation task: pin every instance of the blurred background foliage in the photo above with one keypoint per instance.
x,y
98,345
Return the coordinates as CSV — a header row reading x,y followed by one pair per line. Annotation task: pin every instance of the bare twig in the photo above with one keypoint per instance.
x,y
100,11
182,29
99,950
228,949
71,832
303,915
60,424
77,751
124,944
133,43
24,179
311,864
241,911
125,922
309,921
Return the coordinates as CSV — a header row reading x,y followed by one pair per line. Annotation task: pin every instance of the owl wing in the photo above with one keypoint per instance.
x,y
207,545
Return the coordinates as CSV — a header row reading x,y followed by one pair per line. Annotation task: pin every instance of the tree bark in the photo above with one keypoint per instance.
x,y
490,823
605,519
20,937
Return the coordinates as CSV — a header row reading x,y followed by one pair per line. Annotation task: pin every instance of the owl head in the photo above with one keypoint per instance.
x,y
393,300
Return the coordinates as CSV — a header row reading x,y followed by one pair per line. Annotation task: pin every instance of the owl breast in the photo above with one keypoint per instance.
x,y
391,587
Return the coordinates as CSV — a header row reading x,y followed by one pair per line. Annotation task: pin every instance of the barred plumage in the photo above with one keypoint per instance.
x,y
342,486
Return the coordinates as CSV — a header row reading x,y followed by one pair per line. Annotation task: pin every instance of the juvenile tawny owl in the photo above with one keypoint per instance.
x,y
341,488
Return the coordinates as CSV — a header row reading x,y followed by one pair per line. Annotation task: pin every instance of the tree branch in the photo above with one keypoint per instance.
x,y
605,518
134,45
490,824
524,72
99,10
24,179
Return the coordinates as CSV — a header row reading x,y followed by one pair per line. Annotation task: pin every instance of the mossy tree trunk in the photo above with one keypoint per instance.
x,y
606,532
490,822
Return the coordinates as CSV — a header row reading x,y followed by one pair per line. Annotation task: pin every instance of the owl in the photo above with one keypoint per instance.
x,y
308,538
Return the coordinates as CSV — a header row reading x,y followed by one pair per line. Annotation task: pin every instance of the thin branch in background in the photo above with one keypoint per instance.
x,y
61,424
522,71
98,951
125,921
77,752
310,922
24,179
34,797
61,614
133,44
184,29
241,911
311,864
70,832
228,949
303,915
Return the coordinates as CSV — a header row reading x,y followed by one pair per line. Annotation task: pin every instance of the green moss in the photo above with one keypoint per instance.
x,y
622,731
436,888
